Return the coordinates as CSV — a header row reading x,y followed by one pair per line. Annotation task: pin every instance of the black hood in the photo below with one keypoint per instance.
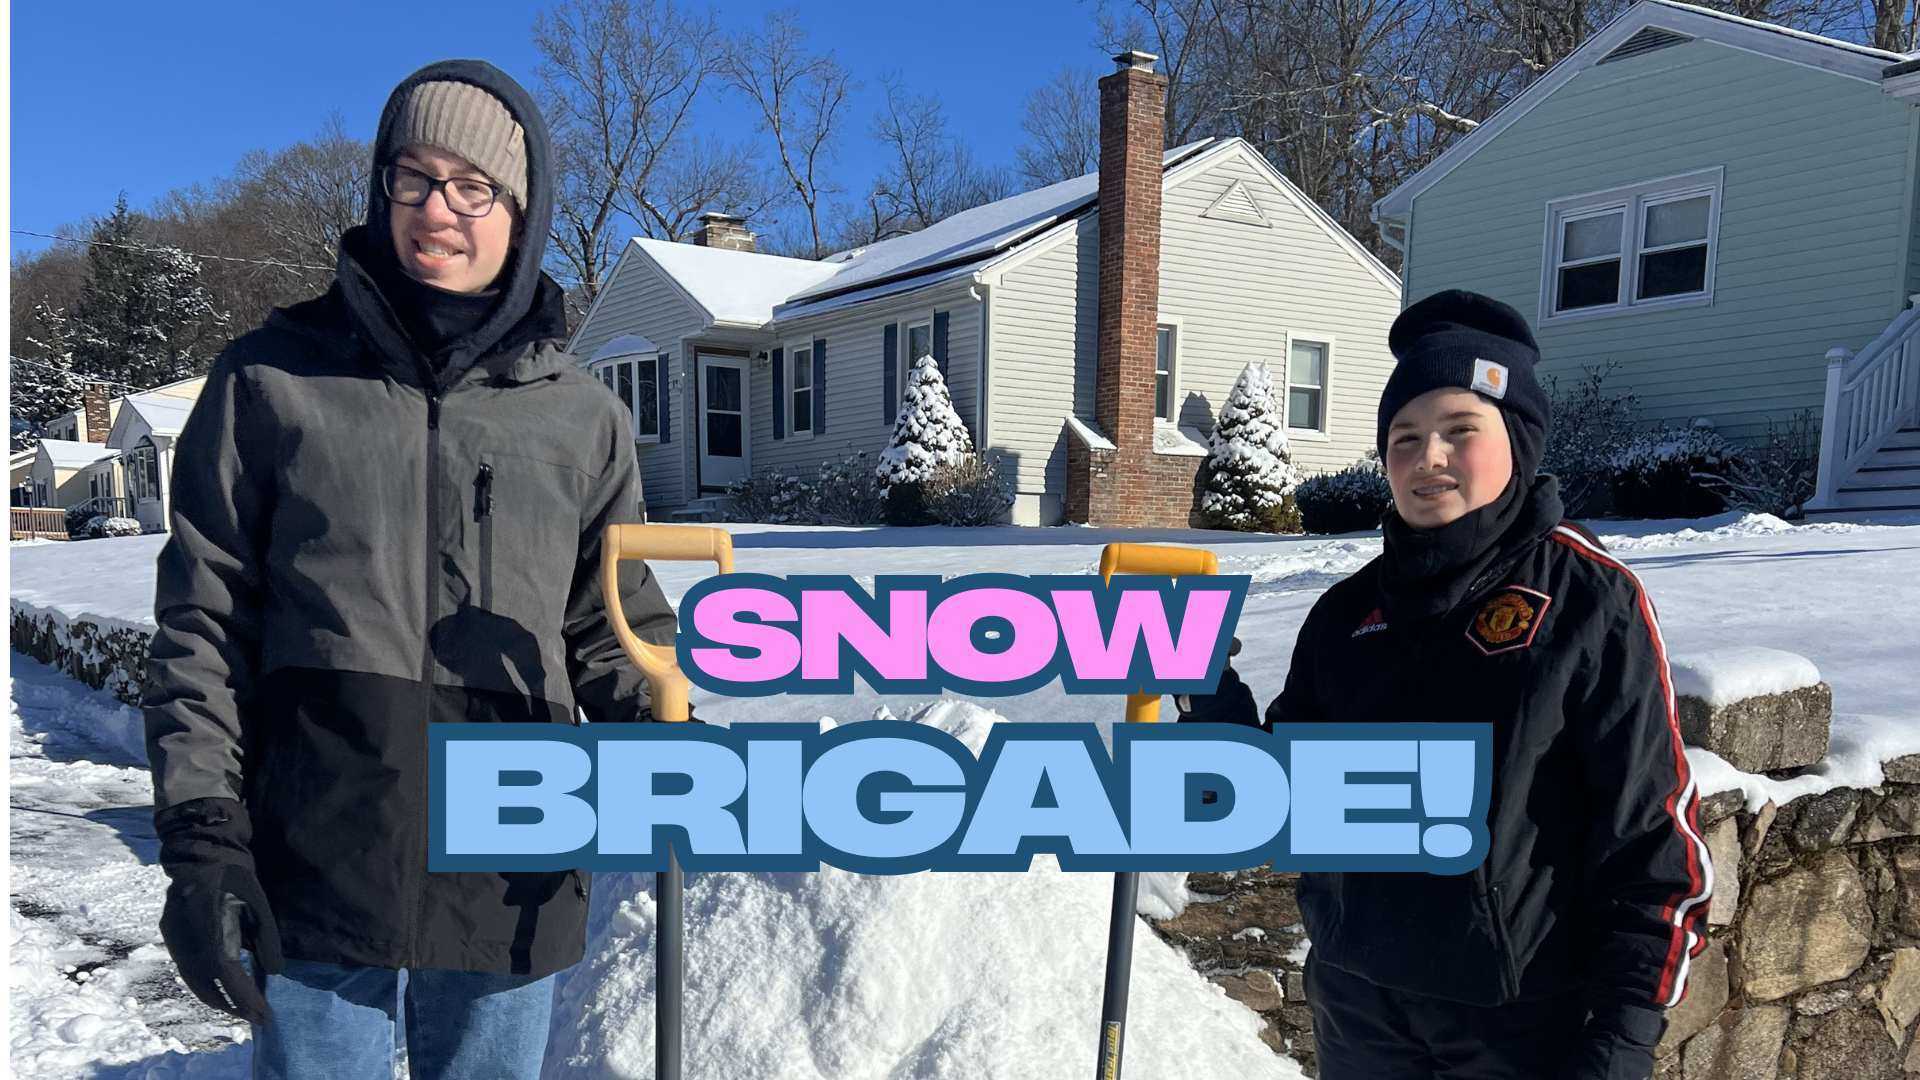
x,y
519,284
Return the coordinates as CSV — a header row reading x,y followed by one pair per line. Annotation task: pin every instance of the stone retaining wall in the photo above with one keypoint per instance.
x,y
110,658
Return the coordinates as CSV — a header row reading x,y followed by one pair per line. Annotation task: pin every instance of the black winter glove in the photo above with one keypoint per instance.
x,y
1230,703
1617,1044
215,905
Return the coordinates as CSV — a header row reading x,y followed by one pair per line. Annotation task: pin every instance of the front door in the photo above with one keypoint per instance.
x,y
723,419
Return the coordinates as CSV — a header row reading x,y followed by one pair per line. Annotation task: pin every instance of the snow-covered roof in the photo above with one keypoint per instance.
x,y
624,345
166,414
1836,57
734,287
963,238
63,454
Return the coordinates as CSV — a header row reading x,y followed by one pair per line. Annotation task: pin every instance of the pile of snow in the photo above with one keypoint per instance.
x,y
1728,674
1733,526
810,976
106,582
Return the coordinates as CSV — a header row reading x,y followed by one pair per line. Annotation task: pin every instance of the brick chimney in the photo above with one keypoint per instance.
x,y
725,231
1126,483
96,422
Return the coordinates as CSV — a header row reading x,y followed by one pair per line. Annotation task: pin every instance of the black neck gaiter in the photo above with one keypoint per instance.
x,y
436,320
1427,572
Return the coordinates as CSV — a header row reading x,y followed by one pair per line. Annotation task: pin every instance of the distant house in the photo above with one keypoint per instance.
x,y
64,473
122,465
1088,330
1722,209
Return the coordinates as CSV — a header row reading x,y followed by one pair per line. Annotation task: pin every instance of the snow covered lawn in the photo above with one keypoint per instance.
x,y
836,975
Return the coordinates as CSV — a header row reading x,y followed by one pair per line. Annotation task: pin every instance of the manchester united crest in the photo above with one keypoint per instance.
x,y
1508,620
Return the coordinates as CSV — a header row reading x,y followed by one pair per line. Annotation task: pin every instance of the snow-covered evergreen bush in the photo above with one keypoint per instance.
x,y
104,526
1590,426
1671,472
970,493
1351,500
927,436
1250,475
850,492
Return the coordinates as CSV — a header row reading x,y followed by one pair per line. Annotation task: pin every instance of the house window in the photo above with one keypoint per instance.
x,y
637,384
1307,386
1163,345
802,395
1648,245
919,344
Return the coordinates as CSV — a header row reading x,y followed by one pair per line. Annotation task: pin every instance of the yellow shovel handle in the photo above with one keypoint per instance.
x,y
1153,559
670,543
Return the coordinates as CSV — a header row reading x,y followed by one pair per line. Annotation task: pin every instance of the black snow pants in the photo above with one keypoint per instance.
x,y
1363,1031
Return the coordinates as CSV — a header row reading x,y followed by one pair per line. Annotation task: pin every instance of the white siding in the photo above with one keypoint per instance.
x,y
1241,292
1237,292
638,300
856,421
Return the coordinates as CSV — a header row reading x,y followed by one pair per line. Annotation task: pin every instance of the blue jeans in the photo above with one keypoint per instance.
x,y
334,1021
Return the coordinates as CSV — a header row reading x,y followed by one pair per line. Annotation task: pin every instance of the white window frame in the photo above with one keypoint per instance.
x,y
794,349
1173,323
1323,433
608,374
906,358
1631,203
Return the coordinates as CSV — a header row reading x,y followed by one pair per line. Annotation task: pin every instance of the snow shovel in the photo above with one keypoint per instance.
x,y
668,693
1141,708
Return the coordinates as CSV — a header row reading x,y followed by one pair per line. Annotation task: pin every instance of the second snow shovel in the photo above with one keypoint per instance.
x,y
667,687
1141,708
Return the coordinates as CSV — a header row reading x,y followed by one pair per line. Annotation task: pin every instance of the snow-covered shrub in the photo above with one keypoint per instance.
x,y
79,518
774,497
927,435
1351,500
1671,472
1589,427
1778,476
102,525
1250,478
970,493
850,493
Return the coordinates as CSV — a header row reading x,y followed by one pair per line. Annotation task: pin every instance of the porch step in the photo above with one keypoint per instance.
x,y
1890,497
1883,459
704,509
1906,438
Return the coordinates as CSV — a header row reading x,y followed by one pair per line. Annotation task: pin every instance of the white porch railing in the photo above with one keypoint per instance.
x,y
1869,395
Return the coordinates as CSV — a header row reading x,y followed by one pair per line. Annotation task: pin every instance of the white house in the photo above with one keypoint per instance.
x,y
1088,332
143,431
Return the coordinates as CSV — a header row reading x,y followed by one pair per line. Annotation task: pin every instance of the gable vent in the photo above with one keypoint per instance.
x,y
1237,204
1651,39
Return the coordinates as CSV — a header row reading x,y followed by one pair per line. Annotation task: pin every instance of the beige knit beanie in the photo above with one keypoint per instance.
x,y
464,119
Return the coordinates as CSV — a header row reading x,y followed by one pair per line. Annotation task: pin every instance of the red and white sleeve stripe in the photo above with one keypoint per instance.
x,y
1682,804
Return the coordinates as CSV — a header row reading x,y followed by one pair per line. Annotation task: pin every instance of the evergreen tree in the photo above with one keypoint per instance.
x,y
927,434
1250,473
143,317
40,390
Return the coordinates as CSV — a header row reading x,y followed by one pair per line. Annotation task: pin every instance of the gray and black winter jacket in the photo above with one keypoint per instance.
x,y
366,540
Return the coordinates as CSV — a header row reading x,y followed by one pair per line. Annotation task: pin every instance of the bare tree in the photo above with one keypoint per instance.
x,y
1895,25
801,97
1062,123
619,80
302,197
930,174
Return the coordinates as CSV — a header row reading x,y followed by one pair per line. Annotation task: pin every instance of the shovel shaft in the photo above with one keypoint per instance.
x,y
669,970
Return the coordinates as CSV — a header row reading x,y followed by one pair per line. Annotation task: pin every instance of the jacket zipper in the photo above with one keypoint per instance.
x,y
483,513
1495,914
432,545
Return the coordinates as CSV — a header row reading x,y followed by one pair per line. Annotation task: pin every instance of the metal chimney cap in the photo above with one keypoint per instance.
x,y
1135,59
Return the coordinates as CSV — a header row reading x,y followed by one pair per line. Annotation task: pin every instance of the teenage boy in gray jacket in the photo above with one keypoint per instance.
x,y
387,511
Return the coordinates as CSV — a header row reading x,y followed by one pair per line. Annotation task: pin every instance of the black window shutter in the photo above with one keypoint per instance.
x,y
660,395
779,393
819,386
940,341
890,373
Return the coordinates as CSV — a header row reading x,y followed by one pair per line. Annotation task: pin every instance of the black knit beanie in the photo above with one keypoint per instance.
x,y
1474,342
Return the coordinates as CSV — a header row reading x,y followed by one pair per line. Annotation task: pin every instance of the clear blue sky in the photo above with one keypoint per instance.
x,y
146,97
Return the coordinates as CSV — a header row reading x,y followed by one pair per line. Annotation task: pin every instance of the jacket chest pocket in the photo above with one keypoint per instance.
x,y
524,517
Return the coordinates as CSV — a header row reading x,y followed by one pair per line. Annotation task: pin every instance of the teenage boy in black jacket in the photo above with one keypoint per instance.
x,y
1558,956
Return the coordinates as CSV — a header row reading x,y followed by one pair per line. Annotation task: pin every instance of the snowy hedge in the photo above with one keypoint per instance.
x,y
1351,500
1671,472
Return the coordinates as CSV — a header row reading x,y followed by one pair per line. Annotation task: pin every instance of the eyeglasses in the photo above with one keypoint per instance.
x,y
468,196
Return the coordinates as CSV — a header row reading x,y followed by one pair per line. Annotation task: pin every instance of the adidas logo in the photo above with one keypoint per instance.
x,y
1374,621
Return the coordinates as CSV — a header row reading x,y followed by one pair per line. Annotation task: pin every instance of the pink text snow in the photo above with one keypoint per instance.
x,y
892,797
750,635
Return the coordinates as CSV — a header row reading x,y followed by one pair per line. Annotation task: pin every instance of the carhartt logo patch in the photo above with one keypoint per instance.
x,y
1375,621
1490,378
1508,620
